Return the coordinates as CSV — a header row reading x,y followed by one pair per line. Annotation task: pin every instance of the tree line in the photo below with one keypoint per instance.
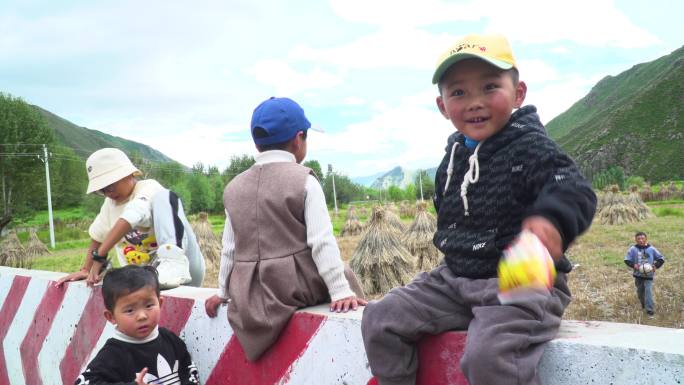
x,y
23,132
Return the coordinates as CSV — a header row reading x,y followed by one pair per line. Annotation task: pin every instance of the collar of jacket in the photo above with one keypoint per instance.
x,y
522,121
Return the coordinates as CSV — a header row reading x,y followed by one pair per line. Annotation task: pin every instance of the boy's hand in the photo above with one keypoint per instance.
x,y
212,303
547,234
75,276
139,377
94,276
344,304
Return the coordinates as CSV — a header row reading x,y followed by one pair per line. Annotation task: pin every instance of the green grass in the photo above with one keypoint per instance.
x,y
40,218
668,212
64,263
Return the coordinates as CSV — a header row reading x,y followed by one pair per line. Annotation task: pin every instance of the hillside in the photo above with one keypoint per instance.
x,y
400,177
85,141
634,120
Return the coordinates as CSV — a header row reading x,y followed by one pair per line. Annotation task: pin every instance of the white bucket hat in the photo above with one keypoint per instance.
x,y
107,166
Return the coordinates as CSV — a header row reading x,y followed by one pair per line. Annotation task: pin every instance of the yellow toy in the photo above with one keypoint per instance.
x,y
526,270
140,254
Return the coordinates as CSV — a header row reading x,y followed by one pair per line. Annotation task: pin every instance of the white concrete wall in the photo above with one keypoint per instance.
x,y
47,336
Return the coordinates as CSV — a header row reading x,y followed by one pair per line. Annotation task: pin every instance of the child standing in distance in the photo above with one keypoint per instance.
x,y
279,253
501,174
141,220
637,257
140,352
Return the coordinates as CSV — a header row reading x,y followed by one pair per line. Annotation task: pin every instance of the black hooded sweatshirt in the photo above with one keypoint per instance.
x,y
522,173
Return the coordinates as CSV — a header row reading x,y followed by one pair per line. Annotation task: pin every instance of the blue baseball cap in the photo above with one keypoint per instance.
x,y
281,118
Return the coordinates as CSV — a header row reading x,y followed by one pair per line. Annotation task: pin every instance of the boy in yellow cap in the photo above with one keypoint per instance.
x,y
141,220
501,174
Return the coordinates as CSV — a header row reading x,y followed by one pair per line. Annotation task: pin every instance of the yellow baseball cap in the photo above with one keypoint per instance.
x,y
494,49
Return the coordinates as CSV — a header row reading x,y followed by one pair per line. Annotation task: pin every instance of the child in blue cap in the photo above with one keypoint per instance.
x,y
279,253
500,174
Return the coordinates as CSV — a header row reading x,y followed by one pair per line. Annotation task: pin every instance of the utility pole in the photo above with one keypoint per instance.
x,y
420,179
49,196
330,171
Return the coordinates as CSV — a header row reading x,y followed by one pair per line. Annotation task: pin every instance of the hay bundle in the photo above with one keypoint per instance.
x,y
418,239
393,220
646,193
209,243
406,209
12,253
600,197
34,247
352,225
672,192
380,260
643,211
616,210
662,194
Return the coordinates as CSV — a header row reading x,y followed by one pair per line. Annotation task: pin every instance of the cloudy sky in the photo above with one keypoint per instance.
x,y
184,77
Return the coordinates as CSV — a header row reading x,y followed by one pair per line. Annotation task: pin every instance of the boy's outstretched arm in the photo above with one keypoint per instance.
x,y
563,197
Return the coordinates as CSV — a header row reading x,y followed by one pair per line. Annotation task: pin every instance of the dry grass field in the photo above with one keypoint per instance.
x,y
602,285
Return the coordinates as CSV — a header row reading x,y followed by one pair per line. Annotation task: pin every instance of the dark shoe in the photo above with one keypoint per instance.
x,y
650,313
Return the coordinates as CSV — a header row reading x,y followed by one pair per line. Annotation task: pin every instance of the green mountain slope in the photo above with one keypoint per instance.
x,y
634,120
85,141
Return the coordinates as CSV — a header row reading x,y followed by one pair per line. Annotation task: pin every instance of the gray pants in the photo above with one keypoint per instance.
x,y
504,343
171,225
644,289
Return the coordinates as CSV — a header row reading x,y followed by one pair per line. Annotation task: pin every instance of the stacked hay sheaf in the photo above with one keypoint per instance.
x,y
35,247
12,253
406,209
418,239
391,215
646,193
600,196
352,225
634,199
616,210
380,260
209,243
672,192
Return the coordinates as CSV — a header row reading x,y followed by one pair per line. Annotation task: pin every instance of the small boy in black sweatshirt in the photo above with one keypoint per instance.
x,y
140,352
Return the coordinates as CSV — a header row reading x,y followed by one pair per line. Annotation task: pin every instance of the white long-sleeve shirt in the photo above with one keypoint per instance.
x,y
319,236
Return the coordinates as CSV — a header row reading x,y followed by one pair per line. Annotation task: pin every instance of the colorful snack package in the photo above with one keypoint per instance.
x,y
526,270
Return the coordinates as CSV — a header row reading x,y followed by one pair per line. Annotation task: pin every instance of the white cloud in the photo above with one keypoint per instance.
x,y
354,101
554,98
536,71
407,133
594,23
287,81
404,13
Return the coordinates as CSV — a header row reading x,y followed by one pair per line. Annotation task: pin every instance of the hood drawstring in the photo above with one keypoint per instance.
x,y
471,176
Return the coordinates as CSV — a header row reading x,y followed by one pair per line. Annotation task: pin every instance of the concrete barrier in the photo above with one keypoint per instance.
x,y
48,335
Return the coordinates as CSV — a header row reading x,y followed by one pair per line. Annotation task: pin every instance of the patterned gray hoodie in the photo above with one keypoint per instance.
x,y
483,195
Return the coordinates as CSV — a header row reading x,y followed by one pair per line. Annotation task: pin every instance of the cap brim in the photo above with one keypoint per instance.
x,y
317,128
453,59
101,181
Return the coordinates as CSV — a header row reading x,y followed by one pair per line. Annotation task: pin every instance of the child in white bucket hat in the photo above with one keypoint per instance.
x,y
141,220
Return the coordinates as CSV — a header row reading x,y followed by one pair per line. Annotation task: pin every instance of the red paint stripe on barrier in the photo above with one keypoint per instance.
x,y
439,359
233,368
88,331
175,313
42,321
7,313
